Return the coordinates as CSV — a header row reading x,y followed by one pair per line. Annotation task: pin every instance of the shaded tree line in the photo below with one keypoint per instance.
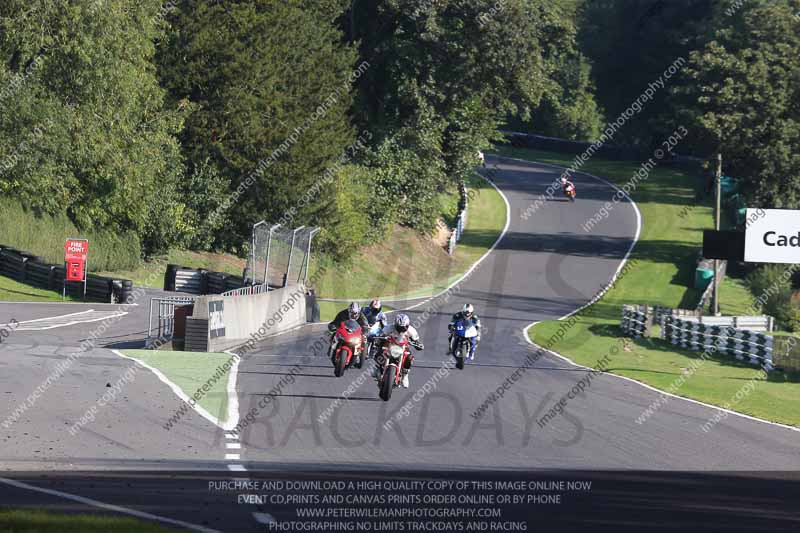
x,y
184,122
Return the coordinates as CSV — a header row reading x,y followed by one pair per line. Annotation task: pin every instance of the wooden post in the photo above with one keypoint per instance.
x,y
715,298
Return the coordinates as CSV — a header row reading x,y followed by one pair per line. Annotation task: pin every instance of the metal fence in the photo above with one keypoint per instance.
x,y
161,321
461,222
279,256
246,291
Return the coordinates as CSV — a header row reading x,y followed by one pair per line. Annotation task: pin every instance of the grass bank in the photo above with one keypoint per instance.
x,y
44,236
673,220
14,291
409,265
405,264
31,520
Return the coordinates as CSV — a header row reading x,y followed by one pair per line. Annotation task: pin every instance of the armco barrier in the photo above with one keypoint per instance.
x,y
606,151
29,269
221,322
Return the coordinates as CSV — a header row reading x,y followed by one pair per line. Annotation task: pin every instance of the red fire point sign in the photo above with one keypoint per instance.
x,y
75,252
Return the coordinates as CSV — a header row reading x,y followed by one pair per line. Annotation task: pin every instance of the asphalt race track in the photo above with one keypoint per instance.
x,y
665,472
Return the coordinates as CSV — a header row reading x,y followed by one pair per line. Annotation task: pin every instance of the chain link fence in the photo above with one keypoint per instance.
x,y
279,256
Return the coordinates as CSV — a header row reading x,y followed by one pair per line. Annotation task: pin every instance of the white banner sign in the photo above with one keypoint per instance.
x,y
772,236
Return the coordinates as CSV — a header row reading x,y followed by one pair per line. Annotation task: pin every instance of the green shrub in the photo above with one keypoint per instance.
x,y
44,236
347,226
773,289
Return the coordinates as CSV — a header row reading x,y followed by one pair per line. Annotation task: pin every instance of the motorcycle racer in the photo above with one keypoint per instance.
x,y
466,313
373,311
566,185
402,327
352,312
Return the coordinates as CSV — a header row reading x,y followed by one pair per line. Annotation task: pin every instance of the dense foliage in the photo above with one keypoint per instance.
x,y
741,97
184,122
82,116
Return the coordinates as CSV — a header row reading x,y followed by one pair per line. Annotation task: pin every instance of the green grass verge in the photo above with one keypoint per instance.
x,y
14,291
662,275
44,236
35,521
328,310
191,371
408,266
735,298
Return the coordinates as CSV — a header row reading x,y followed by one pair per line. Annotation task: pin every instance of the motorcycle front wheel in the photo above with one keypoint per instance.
x,y
459,356
388,383
341,362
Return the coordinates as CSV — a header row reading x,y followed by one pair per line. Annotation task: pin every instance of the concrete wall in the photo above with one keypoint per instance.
x,y
233,321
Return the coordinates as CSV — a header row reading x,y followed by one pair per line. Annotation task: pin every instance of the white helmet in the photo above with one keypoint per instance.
x,y
402,322
354,309
468,310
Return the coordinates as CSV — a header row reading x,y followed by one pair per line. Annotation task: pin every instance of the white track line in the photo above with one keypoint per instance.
x,y
425,299
484,256
599,296
237,468
22,325
7,302
107,506
233,446
57,316
227,425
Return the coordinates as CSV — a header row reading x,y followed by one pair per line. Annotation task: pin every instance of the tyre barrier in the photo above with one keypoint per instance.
x,y
31,270
636,321
200,281
754,347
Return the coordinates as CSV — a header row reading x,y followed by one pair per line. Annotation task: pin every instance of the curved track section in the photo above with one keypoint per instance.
x,y
545,267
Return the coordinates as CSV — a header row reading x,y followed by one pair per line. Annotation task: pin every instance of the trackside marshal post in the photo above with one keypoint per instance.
x,y
76,252
773,237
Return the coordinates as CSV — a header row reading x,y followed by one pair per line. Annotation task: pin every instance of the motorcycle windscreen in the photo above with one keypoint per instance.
x,y
466,329
351,325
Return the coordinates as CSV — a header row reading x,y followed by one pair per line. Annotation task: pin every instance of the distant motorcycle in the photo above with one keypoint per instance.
x,y
569,191
463,331
395,353
348,347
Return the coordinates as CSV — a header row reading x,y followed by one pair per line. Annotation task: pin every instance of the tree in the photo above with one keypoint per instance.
x,y
444,76
741,94
269,85
630,44
86,117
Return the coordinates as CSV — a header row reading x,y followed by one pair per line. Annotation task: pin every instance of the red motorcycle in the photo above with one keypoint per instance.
x,y
395,355
348,347
569,191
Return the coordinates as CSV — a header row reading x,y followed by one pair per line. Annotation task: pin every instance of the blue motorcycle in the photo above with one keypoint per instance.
x,y
464,331
374,330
